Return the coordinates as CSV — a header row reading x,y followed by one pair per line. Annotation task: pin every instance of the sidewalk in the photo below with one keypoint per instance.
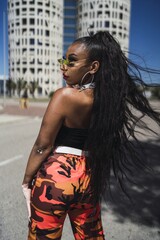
x,y
12,107
12,112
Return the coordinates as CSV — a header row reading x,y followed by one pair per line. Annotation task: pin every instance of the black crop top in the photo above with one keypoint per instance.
x,y
71,137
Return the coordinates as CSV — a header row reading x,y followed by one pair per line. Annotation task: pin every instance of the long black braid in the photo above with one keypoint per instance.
x,y
113,120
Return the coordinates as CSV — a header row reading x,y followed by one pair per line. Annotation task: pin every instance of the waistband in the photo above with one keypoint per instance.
x,y
71,150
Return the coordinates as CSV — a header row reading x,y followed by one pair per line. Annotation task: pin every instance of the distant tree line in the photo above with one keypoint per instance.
x,y
151,92
21,85
16,88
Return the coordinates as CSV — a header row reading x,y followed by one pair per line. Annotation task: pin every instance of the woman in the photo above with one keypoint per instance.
x,y
84,135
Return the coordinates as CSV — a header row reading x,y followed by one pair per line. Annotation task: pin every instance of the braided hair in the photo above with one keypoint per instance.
x,y
113,121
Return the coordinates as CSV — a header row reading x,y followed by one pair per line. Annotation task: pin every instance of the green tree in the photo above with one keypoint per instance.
x,y
11,86
20,85
156,92
51,94
32,87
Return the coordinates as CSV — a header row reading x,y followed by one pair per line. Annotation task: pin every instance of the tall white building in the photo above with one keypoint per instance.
x,y
110,15
35,30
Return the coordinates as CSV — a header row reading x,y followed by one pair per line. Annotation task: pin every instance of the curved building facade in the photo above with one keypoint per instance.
x,y
110,15
35,31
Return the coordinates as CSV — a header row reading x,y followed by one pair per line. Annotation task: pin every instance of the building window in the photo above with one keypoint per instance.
x,y
39,11
48,4
17,12
69,21
107,24
32,42
39,62
47,12
39,43
31,2
32,31
24,21
31,21
107,13
99,13
24,30
121,16
47,33
24,50
114,25
32,70
70,12
24,70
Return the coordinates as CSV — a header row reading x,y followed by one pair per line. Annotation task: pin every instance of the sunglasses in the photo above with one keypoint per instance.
x,y
64,61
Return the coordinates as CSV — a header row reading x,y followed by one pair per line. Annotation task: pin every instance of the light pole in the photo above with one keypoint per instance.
x,y
4,59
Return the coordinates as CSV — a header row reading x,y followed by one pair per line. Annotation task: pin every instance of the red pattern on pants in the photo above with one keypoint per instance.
x,y
62,187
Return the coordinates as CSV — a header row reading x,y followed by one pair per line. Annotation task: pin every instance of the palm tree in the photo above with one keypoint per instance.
x,y
33,86
20,85
11,86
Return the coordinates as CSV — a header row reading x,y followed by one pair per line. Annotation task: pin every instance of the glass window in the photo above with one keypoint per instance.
x,y
32,42
31,21
121,16
69,21
107,24
70,30
31,2
24,21
47,33
70,3
17,12
70,12
68,39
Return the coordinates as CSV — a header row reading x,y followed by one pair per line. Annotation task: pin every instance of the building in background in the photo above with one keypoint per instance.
x,y
110,15
70,23
40,32
35,31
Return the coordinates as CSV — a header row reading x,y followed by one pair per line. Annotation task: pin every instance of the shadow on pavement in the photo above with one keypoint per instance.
x,y
145,195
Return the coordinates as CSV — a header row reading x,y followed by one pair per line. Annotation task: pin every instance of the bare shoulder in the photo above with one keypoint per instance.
x,y
69,100
66,94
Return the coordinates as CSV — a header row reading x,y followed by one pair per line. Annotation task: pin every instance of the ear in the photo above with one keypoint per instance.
x,y
94,67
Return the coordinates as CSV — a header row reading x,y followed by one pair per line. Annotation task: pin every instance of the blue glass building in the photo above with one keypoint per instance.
x,y
70,18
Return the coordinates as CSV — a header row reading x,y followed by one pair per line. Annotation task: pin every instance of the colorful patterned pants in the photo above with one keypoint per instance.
x,y
62,187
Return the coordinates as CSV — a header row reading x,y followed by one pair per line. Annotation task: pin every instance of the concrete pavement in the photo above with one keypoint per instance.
x,y
121,219
12,112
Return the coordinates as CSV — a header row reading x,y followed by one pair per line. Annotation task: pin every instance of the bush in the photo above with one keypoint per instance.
x,y
51,94
156,92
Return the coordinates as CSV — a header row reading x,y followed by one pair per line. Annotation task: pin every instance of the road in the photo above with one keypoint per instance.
x,y
121,220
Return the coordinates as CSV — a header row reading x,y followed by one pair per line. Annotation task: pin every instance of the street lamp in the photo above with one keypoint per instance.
x,y
4,59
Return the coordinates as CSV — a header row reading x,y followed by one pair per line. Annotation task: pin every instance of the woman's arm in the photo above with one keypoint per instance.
x,y
51,123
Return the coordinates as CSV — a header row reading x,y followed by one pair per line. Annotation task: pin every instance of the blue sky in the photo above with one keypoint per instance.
x,y
144,33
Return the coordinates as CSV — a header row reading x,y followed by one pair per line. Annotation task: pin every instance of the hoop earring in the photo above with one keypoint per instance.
x,y
81,82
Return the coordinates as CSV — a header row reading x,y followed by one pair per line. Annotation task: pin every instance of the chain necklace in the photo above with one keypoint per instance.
x,y
85,86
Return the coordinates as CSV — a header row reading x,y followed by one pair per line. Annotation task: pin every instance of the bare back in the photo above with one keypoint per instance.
x,y
79,111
